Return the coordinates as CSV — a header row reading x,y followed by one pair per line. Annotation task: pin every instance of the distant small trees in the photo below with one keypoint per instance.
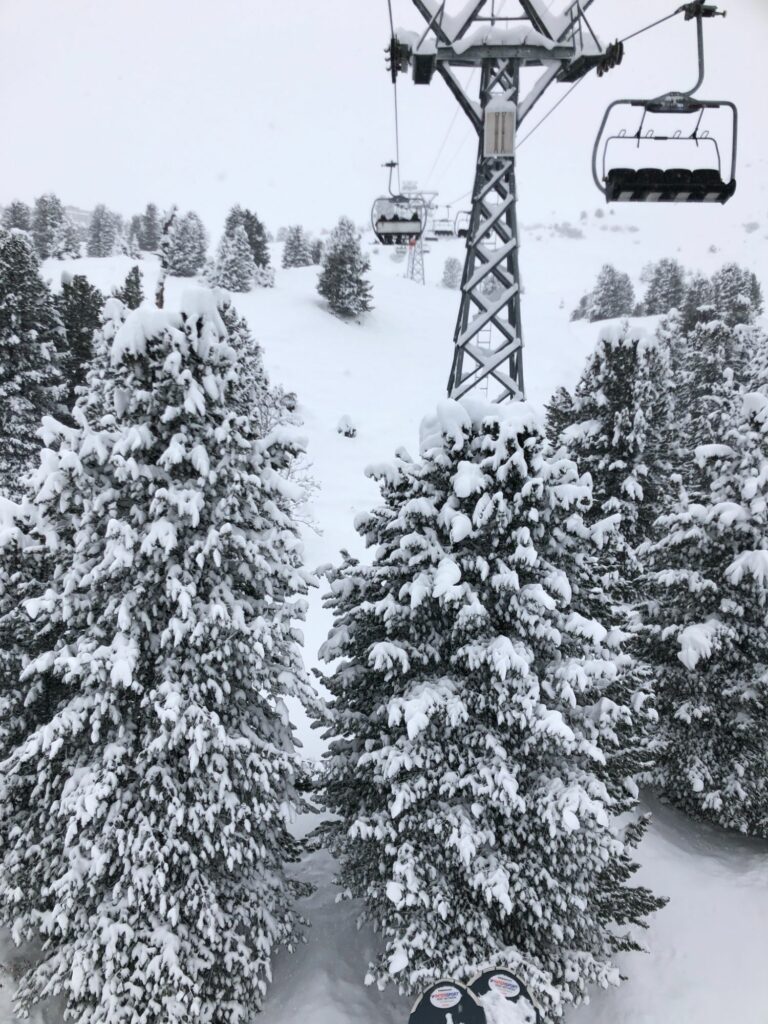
x,y
697,304
234,267
613,296
297,252
666,287
187,243
104,232
316,250
342,280
256,233
17,215
48,225
451,273
131,293
736,294
151,230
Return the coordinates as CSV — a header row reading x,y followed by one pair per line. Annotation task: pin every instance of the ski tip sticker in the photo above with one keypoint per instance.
x,y
445,996
505,985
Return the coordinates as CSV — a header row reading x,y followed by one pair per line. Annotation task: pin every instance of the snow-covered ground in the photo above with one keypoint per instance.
x,y
710,944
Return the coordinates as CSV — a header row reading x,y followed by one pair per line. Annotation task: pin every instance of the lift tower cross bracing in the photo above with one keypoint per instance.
x,y
488,340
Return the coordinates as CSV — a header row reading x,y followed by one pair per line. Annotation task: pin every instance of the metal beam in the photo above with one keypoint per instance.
x,y
531,55
469,108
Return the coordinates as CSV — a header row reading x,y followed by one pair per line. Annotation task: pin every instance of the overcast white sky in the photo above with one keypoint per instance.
x,y
286,106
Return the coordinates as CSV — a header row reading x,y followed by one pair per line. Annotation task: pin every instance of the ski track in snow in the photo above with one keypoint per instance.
x,y
709,945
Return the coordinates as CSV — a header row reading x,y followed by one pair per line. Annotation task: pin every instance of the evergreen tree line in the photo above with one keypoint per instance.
x,y
551,615
46,348
733,291
53,233
673,431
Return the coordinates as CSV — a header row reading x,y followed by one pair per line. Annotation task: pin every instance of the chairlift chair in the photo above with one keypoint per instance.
x,y
461,224
676,184
398,219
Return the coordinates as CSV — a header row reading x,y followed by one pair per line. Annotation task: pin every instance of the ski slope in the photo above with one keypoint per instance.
x,y
709,946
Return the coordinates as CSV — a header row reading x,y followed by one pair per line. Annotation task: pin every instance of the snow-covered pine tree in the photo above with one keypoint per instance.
x,y
104,232
473,720
257,239
79,305
697,304
66,243
47,220
706,639
235,219
31,337
296,251
131,293
560,414
666,287
316,249
282,234
581,312
737,295
613,295
714,365
451,273
619,428
342,281
17,215
168,764
151,232
187,246
164,251
234,268
136,227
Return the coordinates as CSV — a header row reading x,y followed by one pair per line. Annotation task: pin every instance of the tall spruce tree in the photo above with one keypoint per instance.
x,y
104,232
697,304
296,252
131,293
560,413
17,215
342,281
66,242
618,428
187,245
613,295
151,232
47,221
666,287
714,365
257,239
79,305
31,338
737,295
706,639
474,719
234,267
167,761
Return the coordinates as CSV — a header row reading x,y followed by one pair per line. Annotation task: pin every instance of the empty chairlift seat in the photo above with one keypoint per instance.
x,y
676,185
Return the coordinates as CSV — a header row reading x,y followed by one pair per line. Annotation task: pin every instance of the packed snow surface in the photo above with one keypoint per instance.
x,y
709,945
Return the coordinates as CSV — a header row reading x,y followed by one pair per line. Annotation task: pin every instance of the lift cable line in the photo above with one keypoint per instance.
x,y
488,342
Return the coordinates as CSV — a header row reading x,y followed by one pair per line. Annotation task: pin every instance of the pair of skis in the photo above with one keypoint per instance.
x,y
493,997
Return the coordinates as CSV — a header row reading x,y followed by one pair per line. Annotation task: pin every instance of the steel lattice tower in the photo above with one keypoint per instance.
x,y
488,339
